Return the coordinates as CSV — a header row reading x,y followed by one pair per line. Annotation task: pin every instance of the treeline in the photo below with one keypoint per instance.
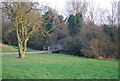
x,y
75,34
94,42
52,22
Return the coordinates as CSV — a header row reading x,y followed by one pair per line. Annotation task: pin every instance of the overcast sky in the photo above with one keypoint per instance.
x,y
60,4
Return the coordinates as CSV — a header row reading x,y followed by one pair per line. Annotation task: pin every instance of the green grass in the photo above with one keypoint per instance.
x,y
7,48
57,66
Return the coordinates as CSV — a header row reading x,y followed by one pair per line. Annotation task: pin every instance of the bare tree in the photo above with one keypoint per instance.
x,y
74,6
27,20
114,12
103,16
91,12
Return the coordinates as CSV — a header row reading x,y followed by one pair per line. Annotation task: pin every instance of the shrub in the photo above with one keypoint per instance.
x,y
73,46
104,48
111,32
88,53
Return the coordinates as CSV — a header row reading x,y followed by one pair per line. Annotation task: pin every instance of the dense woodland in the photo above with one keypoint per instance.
x,y
77,33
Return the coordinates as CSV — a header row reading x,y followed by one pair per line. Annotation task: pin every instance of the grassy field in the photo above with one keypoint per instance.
x,y
57,66
6,48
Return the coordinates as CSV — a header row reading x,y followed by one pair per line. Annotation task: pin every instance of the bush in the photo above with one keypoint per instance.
x,y
73,46
103,48
111,32
88,53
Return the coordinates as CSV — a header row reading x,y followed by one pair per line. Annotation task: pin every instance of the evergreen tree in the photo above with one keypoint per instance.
x,y
75,24
48,20
78,22
71,25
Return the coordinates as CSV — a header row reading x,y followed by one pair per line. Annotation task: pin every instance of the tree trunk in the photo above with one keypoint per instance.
x,y
21,49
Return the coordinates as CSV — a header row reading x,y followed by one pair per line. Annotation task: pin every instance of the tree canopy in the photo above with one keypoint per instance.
x,y
75,24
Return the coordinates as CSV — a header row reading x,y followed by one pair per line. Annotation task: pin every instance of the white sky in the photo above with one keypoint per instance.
x,y
59,4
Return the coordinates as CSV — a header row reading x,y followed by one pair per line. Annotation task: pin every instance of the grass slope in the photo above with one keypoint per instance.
x,y
57,66
6,48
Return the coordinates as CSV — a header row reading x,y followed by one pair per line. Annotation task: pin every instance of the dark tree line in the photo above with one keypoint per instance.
x,y
79,34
